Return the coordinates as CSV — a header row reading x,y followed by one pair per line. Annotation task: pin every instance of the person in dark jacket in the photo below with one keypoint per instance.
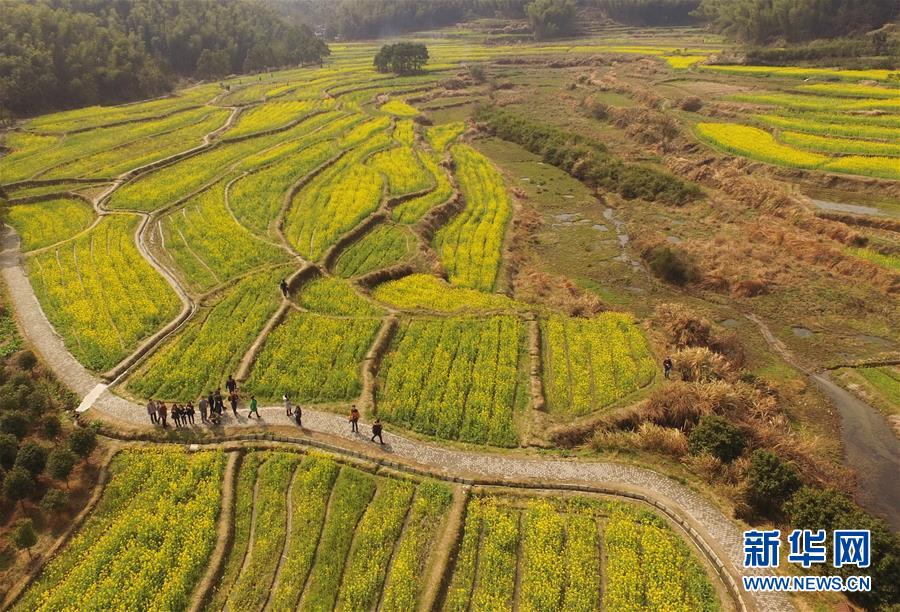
x,y
667,366
189,412
354,420
204,407
376,431
298,415
231,385
163,413
233,400
284,287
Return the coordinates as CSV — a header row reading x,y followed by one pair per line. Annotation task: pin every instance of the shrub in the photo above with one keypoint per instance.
x,y
596,109
699,364
772,482
60,463
14,423
23,535
9,447
814,508
17,484
718,437
32,457
26,360
82,442
670,264
55,501
691,104
51,426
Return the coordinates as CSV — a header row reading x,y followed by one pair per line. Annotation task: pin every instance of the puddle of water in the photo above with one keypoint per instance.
x,y
729,323
801,332
857,209
673,239
876,340
567,217
569,197
600,228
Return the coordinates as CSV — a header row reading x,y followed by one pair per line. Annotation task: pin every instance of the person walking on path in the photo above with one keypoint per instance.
x,y
284,287
189,412
667,366
211,399
163,413
176,414
220,402
253,409
298,415
376,431
354,420
233,400
287,405
151,411
204,406
231,385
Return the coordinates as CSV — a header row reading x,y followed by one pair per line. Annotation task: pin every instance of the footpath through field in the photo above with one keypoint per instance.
x,y
711,525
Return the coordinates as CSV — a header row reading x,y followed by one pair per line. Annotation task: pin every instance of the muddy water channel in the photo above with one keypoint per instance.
x,y
871,448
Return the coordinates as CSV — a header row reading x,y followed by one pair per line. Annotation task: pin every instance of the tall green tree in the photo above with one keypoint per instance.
x,y
552,18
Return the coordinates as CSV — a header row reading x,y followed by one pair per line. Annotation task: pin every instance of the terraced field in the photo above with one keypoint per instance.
x,y
842,127
215,196
311,532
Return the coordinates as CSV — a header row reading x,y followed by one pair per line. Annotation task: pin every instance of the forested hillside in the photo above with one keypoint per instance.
x,y
354,19
764,21
69,53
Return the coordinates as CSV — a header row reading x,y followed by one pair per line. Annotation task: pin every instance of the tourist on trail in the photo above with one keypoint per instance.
x,y
231,385
287,405
151,410
163,412
189,412
376,431
233,400
176,414
354,420
220,402
204,406
211,399
298,415
284,287
253,409
667,366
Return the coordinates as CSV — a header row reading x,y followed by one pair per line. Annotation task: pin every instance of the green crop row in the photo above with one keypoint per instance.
x,y
335,296
148,541
100,294
42,224
379,248
470,246
592,363
211,346
312,358
456,379
209,246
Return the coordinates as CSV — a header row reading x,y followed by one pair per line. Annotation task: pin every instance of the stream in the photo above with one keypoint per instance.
x,y
870,447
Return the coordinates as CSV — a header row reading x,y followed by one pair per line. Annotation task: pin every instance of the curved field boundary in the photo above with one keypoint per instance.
x,y
19,587
45,197
57,181
372,362
224,536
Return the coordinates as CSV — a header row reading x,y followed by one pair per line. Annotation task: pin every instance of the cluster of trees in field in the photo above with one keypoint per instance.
x,y
763,21
401,58
81,52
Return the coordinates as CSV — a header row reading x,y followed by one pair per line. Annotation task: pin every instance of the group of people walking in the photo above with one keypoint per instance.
x,y
212,410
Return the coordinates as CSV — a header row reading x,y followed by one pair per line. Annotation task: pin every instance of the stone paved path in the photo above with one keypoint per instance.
x,y
720,533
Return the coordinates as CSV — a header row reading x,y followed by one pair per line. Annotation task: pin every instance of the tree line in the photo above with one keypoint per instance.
x,y
70,53
765,21
358,19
